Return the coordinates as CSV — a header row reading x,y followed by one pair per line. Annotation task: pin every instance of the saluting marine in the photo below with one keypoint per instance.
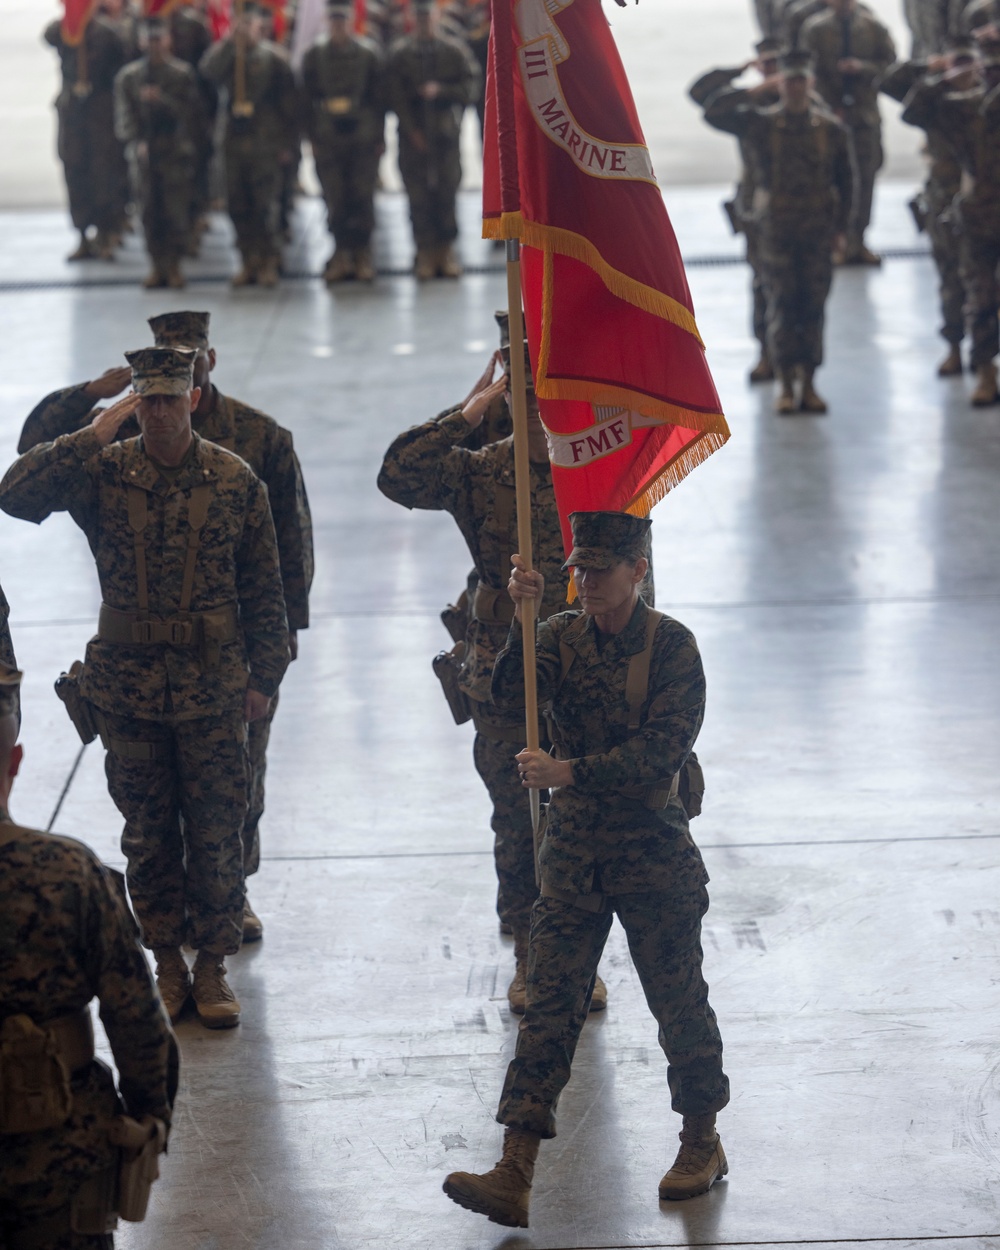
x,y
269,450
343,85
262,133
627,696
741,208
850,50
66,938
192,643
158,116
802,159
431,79
440,466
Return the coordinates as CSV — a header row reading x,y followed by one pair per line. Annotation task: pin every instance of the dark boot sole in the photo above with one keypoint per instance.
x,y
496,1213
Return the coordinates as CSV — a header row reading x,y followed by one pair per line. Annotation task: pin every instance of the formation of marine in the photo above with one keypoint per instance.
x,y
159,116
805,110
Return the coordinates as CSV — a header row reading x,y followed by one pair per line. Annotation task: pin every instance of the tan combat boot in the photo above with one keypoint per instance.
x,y
503,1194
105,244
986,387
811,400
786,402
247,275
175,279
762,371
424,267
217,1005
339,267
448,264
699,1163
253,926
951,366
599,998
154,279
364,269
172,980
84,250
267,273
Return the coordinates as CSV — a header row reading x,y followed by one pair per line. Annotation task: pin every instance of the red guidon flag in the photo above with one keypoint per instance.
x,y
623,385
76,15
279,19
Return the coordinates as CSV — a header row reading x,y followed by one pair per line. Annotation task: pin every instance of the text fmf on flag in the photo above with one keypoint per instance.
x,y
623,384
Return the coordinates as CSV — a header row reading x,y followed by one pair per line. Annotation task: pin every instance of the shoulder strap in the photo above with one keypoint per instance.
x,y
637,678
137,519
197,515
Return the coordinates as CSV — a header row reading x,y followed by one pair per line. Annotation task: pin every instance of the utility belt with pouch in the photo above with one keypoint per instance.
x,y
447,667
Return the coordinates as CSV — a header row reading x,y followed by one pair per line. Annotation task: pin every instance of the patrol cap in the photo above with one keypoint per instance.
x,y
153,27
161,370
502,318
181,329
340,8
769,47
601,539
10,689
424,6
796,64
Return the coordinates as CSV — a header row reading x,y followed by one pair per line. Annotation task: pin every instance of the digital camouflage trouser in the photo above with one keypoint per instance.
x,y
664,938
797,271
253,198
432,180
165,192
758,289
867,142
980,256
348,173
258,735
184,813
513,839
951,291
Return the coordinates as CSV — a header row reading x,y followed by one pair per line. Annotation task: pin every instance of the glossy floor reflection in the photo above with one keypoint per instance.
x,y
842,576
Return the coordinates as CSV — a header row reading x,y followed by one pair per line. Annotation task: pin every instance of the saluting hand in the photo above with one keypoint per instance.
x,y
108,422
111,382
476,408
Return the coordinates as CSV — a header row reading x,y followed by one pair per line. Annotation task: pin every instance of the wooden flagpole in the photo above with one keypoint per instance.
x,y
503,60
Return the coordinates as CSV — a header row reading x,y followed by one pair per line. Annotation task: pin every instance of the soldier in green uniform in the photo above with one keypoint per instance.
x,y
191,645
157,117
801,155
262,133
616,842
438,466
851,49
65,938
269,450
92,157
344,99
190,39
740,209
967,117
431,79
933,205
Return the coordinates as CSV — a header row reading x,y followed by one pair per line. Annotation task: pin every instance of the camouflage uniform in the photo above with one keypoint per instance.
x,y
944,176
268,449
969,121
432,176
803,198
65,938
345,106
740,209
93,158
166,130
469,22
853,99
256,145
604,848
6,645
173,714
190,39
432,466
967,18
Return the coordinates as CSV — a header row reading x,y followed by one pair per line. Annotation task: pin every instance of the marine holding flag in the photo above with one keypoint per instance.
x,y
629,406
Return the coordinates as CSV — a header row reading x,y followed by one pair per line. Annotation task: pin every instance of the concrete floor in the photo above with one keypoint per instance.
x,y
842,577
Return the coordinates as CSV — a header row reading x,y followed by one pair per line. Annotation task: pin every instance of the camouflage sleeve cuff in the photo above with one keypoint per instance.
x,y
84,443
268,688
455,424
